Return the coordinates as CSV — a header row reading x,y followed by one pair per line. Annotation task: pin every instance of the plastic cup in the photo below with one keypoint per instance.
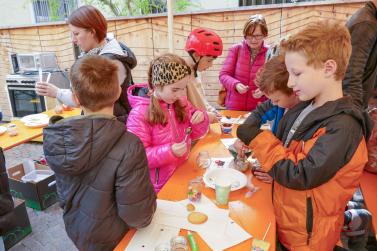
x,y
222,188
226,128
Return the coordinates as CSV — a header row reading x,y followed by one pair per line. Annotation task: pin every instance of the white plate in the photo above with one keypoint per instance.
x,y
236,178
37,124
36,118
3,129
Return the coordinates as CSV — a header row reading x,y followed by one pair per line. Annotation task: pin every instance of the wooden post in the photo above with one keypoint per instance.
x,y
170,26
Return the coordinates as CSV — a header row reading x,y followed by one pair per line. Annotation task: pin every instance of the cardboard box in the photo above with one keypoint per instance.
x,y
22,225
37,195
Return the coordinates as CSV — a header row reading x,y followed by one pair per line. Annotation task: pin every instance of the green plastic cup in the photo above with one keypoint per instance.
x,y
222,188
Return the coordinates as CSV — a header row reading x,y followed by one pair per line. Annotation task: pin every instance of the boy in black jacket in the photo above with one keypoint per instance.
x,y
101,170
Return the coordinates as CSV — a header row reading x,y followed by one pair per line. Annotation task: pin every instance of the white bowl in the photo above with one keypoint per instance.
x,y
237,179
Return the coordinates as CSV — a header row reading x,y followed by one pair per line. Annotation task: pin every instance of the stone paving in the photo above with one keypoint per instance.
x,y
48,233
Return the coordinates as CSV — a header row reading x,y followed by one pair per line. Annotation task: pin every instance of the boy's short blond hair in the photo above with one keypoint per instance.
x,y
322,41
95,82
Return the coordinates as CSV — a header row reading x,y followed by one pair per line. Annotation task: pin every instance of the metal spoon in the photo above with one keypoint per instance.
x,y
188,131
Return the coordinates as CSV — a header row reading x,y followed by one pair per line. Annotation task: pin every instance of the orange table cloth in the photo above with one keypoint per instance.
x,y
368,181
252,214
25,133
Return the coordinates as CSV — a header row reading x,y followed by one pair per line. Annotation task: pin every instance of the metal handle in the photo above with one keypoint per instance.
x,y
22,88
51,183
16,173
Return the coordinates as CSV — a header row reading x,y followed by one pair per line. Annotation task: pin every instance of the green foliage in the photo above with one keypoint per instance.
x,y
183,5
137,7
54,6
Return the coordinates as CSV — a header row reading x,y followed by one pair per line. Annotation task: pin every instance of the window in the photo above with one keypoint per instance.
x,y
53,10
259,2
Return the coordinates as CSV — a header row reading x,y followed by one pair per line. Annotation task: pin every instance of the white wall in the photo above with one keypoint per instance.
x,y
215,4
16,12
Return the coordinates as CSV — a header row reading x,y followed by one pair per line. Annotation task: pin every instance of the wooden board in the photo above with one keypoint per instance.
x,y
147,37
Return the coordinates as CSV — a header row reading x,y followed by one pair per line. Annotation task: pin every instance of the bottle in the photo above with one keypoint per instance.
x,y
58,107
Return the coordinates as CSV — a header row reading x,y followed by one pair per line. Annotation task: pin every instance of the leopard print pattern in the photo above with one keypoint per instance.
x,y
169,73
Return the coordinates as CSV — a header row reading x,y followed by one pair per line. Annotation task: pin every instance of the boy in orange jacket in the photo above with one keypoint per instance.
x,y
319,151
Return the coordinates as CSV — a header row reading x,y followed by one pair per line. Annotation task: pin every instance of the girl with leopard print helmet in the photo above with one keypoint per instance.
x,y
165,121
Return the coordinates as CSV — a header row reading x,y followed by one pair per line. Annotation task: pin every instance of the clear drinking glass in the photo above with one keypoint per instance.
x,y
203,159
12,130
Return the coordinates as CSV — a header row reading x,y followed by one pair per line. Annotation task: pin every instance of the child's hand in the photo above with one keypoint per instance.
x,y
197,117
239,146
179,149
257,93
212,117
241,88
262,176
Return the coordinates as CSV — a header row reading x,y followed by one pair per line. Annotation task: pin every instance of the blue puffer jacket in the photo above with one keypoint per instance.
x,y
263,112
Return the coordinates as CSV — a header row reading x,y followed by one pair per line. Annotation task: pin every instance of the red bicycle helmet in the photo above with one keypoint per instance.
x,y
204,42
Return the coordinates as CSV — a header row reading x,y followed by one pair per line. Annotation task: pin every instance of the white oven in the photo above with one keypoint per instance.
x,y
23,99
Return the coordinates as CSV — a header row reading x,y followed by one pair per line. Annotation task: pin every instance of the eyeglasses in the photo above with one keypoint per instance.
x,y
256,37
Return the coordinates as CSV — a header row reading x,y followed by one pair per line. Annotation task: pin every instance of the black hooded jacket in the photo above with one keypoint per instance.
x,y
102,179
361,75
7,216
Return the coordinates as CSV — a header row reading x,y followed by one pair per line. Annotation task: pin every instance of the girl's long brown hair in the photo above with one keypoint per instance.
x,y
155,113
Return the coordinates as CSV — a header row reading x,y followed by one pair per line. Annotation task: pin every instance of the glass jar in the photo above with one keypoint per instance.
x,y
255,165
194,190
12,130
162,247
241,164
178,243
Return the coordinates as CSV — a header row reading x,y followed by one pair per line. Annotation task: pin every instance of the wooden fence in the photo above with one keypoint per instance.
x,y
147,36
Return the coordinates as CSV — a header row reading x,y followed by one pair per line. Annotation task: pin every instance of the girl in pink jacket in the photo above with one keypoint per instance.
x,y
165,121
241,65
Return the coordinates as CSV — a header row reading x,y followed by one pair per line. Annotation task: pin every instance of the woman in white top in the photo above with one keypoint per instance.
x,y
89,27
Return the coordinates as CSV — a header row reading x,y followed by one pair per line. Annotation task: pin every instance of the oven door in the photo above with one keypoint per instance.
x,y
25,101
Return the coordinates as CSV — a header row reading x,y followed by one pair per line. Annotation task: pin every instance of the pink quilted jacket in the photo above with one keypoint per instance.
x,y
158,139
238,69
